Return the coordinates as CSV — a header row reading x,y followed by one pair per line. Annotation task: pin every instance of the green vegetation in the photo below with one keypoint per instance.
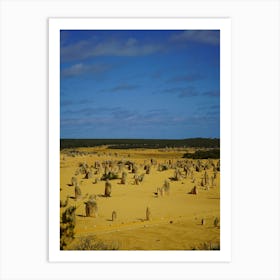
x,y
141,143
109,176
214,153
67,226
207,246
91,243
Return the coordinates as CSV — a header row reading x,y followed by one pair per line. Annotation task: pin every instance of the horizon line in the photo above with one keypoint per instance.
x,y
139,138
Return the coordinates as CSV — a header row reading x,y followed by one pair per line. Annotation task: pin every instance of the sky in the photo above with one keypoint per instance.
x,y
144,84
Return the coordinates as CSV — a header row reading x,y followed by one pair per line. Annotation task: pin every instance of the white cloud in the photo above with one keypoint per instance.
x,y
113,47
211,37
81,68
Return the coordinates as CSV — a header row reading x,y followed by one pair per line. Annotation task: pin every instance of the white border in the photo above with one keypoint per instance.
x,y
255,124
55,25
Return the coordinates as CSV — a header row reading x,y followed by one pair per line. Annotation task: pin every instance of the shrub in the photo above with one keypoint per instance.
x,y
109,176
207,246
69,215
200,154
66,234
91,243
67,226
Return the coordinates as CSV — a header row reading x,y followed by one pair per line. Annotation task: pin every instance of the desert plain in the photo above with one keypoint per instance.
x,y
140,214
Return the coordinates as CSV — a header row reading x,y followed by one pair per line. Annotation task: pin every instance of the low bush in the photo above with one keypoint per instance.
x,y
91,243
214,153
109,176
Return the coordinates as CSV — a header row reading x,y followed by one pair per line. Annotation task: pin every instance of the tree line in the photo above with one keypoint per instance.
x,y
141,143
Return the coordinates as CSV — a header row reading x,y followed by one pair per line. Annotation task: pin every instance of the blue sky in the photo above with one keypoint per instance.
x,y
162,84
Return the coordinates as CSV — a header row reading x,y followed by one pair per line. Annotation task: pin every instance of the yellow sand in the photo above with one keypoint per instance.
x,y
175,219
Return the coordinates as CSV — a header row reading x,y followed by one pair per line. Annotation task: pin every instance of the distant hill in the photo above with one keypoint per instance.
x,y
141,143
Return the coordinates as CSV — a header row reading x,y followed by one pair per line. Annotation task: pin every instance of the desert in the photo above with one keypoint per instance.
x,y
138,199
